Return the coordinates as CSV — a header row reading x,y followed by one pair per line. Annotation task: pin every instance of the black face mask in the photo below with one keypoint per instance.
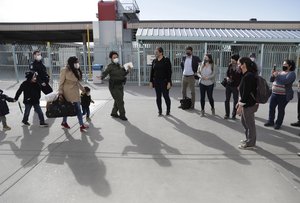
x,y
206,61
188,53
284,68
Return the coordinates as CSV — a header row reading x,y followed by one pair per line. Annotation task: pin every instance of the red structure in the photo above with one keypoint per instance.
x,y
107,10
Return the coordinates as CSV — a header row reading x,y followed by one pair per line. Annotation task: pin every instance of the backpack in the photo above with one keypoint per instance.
x,y
263,91
186,103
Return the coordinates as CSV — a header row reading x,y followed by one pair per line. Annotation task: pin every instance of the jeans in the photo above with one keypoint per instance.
x,y
188,81
299,106
209,90
79,114
281,102
86,110
234,91
37,109
161,90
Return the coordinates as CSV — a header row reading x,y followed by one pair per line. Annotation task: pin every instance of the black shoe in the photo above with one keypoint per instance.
x,y
26,123
123,118
268,124
168,113
297,124
277,127
44,125
233,118
159,114
226,117
180,107
114,115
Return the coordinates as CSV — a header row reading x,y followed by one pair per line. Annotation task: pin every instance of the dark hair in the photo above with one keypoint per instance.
x,y
36,51
87,89
210,59
113,53
160,49
291,63
252,55
250,65
77,72
189,48
235,57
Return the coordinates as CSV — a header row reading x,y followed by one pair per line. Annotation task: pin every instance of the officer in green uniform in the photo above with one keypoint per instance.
x,y
117,79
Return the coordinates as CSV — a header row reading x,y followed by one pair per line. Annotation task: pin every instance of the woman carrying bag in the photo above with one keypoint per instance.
x,y
69,87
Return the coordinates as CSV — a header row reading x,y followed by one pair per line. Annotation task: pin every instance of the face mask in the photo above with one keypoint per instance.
x,y
116,60
252,59
284,68
76,65
188,53
206,61
87,94
38,58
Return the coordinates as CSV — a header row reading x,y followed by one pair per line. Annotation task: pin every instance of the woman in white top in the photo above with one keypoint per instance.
x,y
206,73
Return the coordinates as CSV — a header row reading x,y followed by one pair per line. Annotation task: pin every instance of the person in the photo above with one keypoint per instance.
x,y
69,87
86,101
233,81
297,124
252,56
4,110
117,79
42,76
189,65
160,79
206,73
32,94
247,105
282,92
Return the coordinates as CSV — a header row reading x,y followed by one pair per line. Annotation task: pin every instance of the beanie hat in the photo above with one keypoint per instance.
x,y
235,57
29,75
1,91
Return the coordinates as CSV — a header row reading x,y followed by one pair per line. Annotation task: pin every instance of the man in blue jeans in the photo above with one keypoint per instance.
x,y
32,94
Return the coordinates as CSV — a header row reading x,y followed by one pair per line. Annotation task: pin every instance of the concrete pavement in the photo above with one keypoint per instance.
x,y
181,158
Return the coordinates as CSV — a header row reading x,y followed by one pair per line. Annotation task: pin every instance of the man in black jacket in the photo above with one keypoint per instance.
x,y
297,124
42,75
32,94
189,65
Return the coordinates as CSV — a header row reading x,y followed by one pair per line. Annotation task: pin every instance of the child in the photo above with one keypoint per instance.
x,y
4,110
32,94
85,102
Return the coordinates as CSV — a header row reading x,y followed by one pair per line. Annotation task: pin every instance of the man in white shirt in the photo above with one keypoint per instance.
x,y
189,65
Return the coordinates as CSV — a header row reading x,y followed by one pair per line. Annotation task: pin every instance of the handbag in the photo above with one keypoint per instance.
x,y
61,108
224,82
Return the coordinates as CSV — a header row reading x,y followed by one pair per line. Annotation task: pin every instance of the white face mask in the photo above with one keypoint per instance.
x,y
76,65
38,57
252,59
116,60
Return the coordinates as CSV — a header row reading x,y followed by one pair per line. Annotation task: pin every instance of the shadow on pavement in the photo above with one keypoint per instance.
x,y
80,155
208,139
143,143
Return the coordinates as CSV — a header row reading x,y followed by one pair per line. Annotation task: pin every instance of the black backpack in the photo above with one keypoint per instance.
x,y
263,91
186,103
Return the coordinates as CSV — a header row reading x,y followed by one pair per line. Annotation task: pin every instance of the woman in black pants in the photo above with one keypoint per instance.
x,y
160,79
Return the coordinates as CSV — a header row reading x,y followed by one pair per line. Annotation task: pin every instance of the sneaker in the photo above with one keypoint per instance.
x,y
226,117
246,147
159,114
26,123
65,125
202,113
123,118
88,119
277,127
243,141
298,153
6,128
268,124
168,113
83,128
233,118
44,125
296,124
213,112
114,115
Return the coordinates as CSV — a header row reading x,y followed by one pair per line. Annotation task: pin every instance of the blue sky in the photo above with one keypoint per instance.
x,y
85,10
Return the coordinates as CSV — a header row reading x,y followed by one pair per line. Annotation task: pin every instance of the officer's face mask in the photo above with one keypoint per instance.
x,y
116,60
38,57
252,59
76,65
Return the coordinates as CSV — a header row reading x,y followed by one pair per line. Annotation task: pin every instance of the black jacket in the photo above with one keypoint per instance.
x,y
247,89
86,100
234,76
195,63
161,70
4,110
31,92
40,68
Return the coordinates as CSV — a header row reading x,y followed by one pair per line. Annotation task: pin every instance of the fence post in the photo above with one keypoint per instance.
x,y
15,62
261,58
84,57
139,63
144,63
50,62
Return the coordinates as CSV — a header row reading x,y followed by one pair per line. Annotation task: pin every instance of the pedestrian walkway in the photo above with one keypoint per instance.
x,y
181,158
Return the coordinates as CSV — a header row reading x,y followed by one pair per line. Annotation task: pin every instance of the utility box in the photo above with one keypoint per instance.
x,y
97,73
107,10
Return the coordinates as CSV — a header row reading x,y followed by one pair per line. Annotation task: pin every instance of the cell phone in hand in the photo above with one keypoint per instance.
x,y
274,67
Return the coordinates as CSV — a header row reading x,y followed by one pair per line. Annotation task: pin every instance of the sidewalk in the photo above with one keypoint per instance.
x,y
181,158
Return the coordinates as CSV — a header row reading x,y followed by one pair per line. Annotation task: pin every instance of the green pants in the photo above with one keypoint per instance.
x,y
117,92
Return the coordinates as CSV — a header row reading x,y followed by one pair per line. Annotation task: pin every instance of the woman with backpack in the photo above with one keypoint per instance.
x,y
247,105
282,92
